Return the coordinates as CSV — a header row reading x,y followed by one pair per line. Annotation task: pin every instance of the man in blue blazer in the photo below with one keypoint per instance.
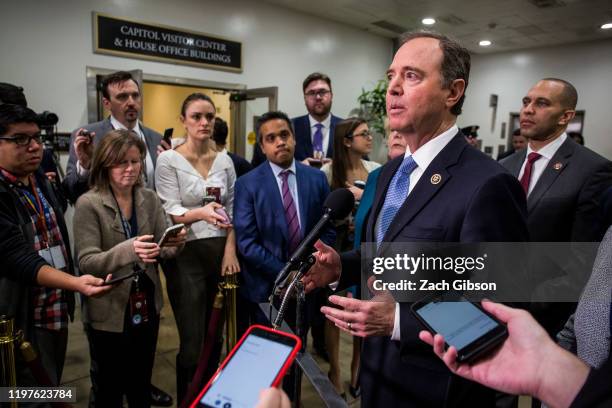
x,y
314,133
266,233
441,190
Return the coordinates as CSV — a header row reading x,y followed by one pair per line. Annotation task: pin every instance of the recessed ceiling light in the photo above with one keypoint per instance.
x,y
484,43
428,21
606,26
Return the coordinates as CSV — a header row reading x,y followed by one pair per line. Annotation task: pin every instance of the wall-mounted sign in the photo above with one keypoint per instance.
x,y
129,38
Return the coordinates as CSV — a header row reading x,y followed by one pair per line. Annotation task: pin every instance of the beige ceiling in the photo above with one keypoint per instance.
x,y
509,24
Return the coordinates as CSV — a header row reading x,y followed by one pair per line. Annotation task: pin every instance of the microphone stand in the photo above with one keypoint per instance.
x,y
300,298
297,284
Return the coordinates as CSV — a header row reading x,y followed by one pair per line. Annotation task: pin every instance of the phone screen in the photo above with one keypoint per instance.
x,y
461,323
253,367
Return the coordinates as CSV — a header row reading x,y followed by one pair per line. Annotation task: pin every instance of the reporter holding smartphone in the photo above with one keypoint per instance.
x,y
186,178
117,224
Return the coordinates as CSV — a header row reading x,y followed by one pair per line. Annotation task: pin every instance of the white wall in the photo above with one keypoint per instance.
x,y
51,44
588,66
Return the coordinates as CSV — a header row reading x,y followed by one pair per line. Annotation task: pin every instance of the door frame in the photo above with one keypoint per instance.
x,y
93,112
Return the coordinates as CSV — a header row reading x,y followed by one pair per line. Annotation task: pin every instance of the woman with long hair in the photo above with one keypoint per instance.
x,y
196,186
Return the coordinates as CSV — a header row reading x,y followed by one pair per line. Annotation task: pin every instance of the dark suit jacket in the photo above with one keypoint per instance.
x,y
597,389
303,140
564,204
74,185
563,207
477,200
240,164
261,228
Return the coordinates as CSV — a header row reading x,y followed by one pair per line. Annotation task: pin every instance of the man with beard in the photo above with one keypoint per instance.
x,y
314,133
121,96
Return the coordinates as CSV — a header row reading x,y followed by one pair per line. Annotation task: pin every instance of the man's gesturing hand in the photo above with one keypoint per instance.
x,y
326,269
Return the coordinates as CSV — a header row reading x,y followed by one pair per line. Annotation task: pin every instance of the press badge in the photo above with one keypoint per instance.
x,y
54,256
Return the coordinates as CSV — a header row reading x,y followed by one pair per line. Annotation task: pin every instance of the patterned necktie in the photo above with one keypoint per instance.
x,y
317,138
293,222
396,195
531,158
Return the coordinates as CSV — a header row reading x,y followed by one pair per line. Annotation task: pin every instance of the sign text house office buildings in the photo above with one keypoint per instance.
x,y
117,36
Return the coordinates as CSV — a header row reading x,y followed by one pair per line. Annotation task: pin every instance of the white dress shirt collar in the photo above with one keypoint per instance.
x,y
118,125
550,149
426,153
326,122
276,169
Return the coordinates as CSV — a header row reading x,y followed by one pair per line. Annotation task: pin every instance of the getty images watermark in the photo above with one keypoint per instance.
x,y
504,271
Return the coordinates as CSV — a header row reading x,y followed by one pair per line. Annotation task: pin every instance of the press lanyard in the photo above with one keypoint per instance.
x,y
39,209
130,229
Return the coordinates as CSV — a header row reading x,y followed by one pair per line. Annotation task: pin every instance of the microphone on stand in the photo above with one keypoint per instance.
x,y
338,205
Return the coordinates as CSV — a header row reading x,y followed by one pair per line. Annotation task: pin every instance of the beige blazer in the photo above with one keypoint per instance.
x,y
101,248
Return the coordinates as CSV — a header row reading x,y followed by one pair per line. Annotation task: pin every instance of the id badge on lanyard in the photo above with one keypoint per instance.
x,y
52,254
139,311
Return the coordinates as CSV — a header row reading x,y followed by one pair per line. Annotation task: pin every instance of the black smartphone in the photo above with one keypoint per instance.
x,y
259,360
87,134
170,232
116,280
168,136
464,324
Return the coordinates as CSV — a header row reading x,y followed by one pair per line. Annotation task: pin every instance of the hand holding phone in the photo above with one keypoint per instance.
x,y
463,324
258,361
226,219
170,232
114,280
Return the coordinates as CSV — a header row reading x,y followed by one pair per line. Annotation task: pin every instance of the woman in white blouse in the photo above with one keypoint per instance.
x,y
186,178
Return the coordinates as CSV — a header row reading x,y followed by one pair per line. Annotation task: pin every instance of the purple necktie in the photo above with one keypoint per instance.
x,y
293,222
317,139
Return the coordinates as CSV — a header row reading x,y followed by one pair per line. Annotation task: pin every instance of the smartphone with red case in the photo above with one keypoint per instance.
x,y
259,360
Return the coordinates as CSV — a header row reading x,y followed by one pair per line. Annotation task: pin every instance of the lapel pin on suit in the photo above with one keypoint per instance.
x,y
435,179
557,166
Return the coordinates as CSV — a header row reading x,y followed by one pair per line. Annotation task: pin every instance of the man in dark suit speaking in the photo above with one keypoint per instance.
x,y
441,190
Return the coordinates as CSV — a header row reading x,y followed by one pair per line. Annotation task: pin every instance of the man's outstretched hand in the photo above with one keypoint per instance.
x,y
326,269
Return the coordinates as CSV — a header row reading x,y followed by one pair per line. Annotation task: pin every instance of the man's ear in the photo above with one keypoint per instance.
x,y
567,117
106,103
457,89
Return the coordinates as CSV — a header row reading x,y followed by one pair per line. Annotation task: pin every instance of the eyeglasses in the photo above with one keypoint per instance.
x,y
322,93
364,134
21,139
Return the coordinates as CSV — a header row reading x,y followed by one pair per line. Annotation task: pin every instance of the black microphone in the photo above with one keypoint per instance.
x,y
337,205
